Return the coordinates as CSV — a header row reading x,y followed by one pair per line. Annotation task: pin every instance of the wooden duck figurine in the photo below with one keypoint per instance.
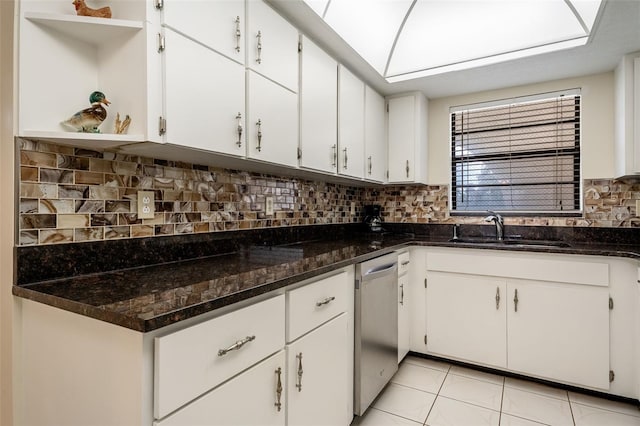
x,y
89,119
83,10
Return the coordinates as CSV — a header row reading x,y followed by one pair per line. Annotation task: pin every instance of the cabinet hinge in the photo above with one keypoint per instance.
x,y
299,153
610,303
425,339
162,126
425,283
299,46
159,4
612,376
161,45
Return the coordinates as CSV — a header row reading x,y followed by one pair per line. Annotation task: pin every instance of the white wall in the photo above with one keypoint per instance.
x,y
597,123
7,211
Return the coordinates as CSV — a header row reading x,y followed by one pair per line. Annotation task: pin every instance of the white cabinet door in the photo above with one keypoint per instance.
x,y
272,123
272,45
466,318
217,24
350,124
407,139
318,376
248,399
375,137
418,299
559,331
404,326
204,96
318,108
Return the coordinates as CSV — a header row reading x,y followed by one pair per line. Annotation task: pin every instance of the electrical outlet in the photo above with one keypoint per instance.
x,y
353,208
146,204
268,206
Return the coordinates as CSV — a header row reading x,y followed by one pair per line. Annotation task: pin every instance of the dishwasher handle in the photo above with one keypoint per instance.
x,y
380,271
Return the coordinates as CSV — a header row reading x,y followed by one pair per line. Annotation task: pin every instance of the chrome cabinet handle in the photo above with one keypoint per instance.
x,y
325,301
259,146
407,168
239,118
515,300
299,381
259,37
345,158
497,297
402,294
238,34
335,155
370,165
237,345
405,263
278,404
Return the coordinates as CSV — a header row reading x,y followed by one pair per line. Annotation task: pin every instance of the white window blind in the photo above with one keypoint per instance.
x,y
517,157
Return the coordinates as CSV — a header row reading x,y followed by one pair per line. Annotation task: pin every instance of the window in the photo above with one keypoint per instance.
x,y
519,156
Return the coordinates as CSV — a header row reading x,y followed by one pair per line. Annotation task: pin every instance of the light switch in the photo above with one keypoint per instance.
x,y
269,206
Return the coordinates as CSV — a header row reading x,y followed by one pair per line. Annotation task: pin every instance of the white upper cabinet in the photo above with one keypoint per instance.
x,y
318,108
375,138
350,124
272,122
407,138
627,114
272,45
219,25
203,112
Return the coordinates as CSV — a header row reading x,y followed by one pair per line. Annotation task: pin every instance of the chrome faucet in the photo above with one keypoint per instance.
x,y
495,217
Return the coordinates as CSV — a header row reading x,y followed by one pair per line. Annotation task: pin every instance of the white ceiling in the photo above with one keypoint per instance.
x,y
616,33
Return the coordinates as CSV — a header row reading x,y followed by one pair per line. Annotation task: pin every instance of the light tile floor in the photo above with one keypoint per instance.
x,y
434,393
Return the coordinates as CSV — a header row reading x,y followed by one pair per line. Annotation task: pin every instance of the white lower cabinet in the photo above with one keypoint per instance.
x,y
559,331
556,330
464,320
317,383
404,309
190,362
255,397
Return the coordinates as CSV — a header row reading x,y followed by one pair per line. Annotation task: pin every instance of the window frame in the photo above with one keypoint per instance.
x,y
578,196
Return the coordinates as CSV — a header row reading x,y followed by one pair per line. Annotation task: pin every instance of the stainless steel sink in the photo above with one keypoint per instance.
x,y
517,242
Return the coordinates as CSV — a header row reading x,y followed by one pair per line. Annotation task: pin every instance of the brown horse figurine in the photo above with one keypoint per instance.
x,y
83,10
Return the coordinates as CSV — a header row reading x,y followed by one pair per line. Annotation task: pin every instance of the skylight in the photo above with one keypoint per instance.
x,y
406,39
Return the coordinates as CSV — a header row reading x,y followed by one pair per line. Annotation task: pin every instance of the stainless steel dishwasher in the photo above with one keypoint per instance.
x,y
376,328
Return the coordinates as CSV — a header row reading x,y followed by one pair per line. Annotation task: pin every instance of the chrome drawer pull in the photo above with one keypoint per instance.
x,y
259,47
239,129
278,404
238,33
299,384
325,301
237,345
405,263
515,300
497,297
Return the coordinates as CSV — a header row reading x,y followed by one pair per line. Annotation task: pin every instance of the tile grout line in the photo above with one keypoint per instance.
x,y
573,418
437,395
501,403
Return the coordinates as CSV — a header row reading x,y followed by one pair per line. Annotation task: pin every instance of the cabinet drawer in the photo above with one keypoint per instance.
x,y
316,303
256,388
189,362
404,262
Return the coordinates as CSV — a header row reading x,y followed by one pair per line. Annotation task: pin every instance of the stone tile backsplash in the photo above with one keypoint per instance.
x,y
71,195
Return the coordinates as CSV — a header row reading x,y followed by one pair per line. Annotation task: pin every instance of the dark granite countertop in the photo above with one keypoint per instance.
x,y
148,297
